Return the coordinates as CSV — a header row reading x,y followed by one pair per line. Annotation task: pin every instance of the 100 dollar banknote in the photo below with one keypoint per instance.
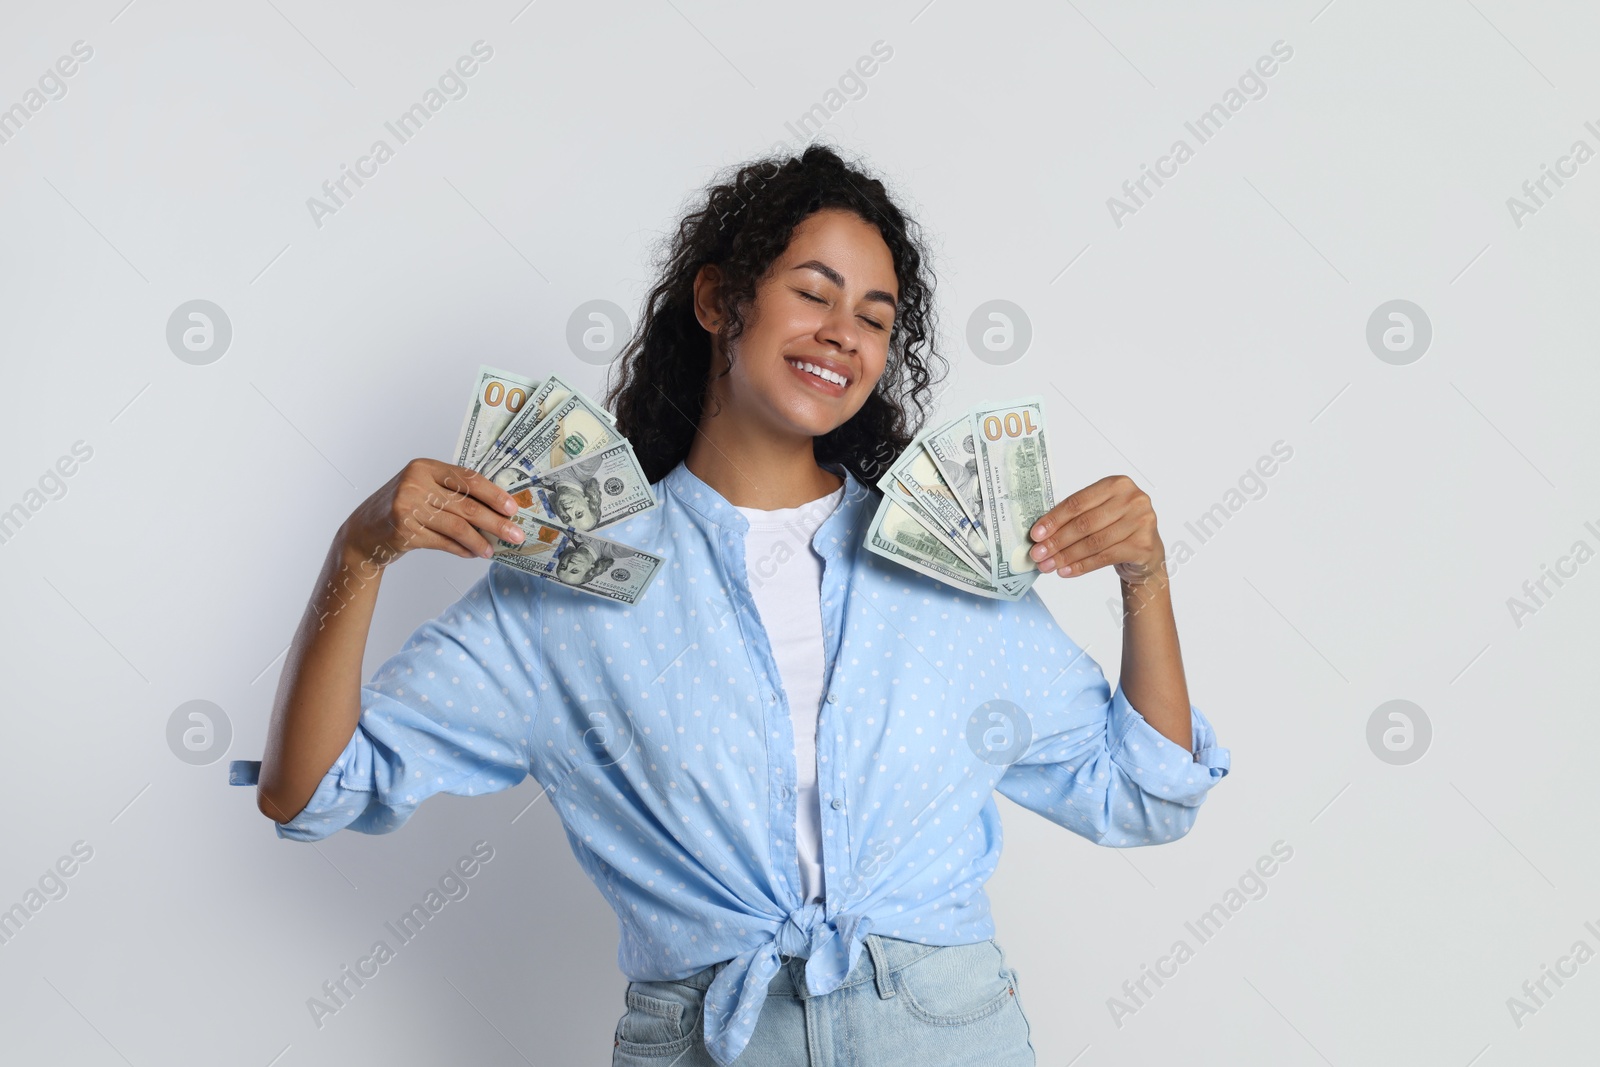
x,y
1013,466
546,395
914,480
601,488
896,534
955,456
583,561
574,427
498,397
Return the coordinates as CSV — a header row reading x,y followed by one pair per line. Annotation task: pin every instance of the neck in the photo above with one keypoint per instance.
x,y
754,468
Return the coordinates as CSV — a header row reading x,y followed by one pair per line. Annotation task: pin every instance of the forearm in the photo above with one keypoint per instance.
x,y
1152,666
318,702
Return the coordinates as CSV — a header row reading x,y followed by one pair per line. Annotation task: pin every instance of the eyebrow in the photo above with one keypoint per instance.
x,y
838,279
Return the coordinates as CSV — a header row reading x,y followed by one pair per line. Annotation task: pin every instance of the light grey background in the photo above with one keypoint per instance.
x,y
1227,314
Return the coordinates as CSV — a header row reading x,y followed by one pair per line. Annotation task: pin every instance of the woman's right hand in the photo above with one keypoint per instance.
x,y
431,504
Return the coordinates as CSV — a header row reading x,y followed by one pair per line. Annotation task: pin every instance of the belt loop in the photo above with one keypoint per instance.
x,y
796,968
880,967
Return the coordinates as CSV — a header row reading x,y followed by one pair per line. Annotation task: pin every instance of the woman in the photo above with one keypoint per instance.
x,y
784,792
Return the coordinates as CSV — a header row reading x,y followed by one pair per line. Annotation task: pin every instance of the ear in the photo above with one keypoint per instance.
x,y
708,297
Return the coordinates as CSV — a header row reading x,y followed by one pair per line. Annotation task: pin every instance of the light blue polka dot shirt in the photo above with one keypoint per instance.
x,y
663,736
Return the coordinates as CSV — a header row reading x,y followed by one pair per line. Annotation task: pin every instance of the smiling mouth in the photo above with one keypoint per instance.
x,y
819,372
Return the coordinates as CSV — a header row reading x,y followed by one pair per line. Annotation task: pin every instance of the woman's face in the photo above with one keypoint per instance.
x,y
828,301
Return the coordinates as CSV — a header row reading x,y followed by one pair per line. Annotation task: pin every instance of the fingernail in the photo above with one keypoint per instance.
x,y
487,552
1037,551
509,506
514,535
1047,566
1038,531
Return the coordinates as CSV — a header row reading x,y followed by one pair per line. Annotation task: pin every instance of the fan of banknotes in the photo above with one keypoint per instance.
x,y
560,455
959,501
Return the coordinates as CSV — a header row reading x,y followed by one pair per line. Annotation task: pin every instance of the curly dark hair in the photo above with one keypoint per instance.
x,y
742,224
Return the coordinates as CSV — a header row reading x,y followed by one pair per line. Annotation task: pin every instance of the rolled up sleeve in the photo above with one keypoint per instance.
x,y
1093,763
449,713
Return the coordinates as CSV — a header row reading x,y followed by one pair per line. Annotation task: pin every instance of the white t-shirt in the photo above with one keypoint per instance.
x,y
785,575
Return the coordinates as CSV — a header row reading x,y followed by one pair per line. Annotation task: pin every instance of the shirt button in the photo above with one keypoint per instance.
x,y
783,792
837,804
833,698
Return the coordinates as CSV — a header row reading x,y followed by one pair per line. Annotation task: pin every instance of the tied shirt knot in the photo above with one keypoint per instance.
x,y
831,948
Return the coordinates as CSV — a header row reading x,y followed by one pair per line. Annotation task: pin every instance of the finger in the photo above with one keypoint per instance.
x,y
462,532
1085,499
425,538
1123,553
1074,558
416,511
1077,528
485,519
465,482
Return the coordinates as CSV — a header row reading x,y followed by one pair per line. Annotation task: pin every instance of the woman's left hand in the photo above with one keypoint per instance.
x,y
1109,522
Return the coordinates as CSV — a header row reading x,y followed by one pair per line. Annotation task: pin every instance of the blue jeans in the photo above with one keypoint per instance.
x,y
904,1004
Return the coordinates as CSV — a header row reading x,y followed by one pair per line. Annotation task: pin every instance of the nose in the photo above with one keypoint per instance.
x,y
839,328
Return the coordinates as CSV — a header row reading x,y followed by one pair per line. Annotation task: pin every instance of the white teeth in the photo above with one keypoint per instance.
x,y
823,373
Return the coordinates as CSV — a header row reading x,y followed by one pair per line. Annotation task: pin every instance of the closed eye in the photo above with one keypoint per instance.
x,y
869,320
